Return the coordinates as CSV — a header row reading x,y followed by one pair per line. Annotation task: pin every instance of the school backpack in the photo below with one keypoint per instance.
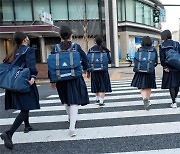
x,y
172,55
144,60
64,64
97,60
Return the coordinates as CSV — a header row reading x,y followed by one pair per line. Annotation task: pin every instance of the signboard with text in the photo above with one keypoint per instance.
x,y
163,15
45,17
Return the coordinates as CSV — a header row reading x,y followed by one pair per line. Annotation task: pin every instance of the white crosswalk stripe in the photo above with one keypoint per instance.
x,y
123,103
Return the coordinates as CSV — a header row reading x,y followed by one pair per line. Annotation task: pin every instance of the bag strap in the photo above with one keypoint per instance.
x,y
146,50
17,58
58,47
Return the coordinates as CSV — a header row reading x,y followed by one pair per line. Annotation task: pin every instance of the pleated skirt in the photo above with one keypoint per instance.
x,y
100,82
73,92
144,80
170,79
22,101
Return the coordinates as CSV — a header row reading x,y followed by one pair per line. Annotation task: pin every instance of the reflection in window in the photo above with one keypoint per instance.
x,y
7,10
130,9
139,12
92,9
121,10
103,9
76,10
23,10
59,9
38,6
147,15
152,23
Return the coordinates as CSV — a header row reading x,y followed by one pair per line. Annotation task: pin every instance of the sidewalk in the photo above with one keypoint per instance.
x,y
123,72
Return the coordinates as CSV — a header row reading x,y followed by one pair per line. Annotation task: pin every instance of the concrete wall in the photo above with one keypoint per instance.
x,y
124,38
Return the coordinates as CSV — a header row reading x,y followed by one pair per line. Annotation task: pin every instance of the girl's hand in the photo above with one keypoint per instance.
x,y
166,70
31,81
53,85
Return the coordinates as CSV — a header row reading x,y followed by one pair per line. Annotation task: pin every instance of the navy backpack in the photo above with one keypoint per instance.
x,y
172,55
97,60
144,60
64,64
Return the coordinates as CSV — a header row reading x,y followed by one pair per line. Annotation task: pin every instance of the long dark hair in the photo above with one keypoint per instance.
x,y
166,34
98,39
65,33
18,37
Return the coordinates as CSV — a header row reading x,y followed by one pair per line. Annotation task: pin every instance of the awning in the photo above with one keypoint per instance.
x,y
31,30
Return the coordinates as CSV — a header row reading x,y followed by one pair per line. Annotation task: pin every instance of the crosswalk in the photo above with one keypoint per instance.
x,y
121,126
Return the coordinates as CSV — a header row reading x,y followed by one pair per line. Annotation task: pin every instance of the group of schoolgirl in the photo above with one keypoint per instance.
x,y
70,84
66,62
144,78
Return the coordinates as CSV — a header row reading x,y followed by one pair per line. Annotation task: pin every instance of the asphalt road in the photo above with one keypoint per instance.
x,y
122,125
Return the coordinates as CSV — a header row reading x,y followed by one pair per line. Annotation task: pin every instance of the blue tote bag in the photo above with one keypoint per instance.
x,y
13,77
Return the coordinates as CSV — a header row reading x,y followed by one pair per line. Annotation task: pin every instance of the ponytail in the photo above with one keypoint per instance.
x,y
10,57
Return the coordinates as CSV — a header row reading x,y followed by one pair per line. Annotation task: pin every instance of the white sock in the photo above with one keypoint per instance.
x,y
67,110
73,116
97,98
101,100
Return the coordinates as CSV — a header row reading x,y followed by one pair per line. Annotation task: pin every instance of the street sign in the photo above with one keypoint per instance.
x,y
163,15
45,17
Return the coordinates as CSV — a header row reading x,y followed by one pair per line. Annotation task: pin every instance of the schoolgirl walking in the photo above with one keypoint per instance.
x,y
100,80
144,80
171,76
72,92
19,100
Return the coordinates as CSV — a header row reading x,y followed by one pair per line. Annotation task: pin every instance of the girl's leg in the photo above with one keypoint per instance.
x,y
7,136
101,98
144,94
67,107
18,121
176,91
73,119
97,97
27,125
148,93
173,93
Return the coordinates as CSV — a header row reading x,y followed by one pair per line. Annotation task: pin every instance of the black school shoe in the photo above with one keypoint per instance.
x,y
101,104
27,129
97,101
7,140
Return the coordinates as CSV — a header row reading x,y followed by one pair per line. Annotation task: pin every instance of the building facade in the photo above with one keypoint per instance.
x,y
122,23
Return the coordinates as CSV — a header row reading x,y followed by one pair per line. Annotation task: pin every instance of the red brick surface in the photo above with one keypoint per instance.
x,y
42,71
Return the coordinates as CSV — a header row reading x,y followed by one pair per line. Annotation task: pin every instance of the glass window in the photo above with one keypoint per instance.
x,y
38,6
23,10
147,15
59,9
130,10
119,9
152,23
92,9
139,12
123,10
76,9
103,9
7,10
